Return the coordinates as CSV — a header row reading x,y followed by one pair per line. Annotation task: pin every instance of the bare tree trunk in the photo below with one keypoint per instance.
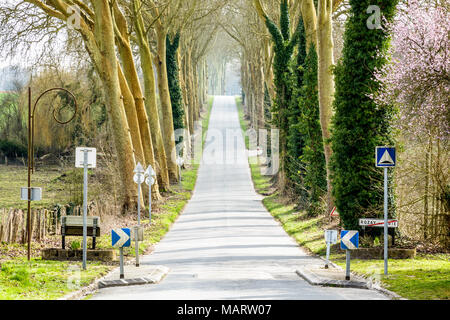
x,y
260,120
132,119
426,191
190,89
187,141
137,104
326,83
150,100
106,66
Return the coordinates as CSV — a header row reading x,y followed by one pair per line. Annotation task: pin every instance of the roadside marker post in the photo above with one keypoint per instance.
x,y
150,181
180,162
330,238
85,158
121,238
385,157
138,179
349,241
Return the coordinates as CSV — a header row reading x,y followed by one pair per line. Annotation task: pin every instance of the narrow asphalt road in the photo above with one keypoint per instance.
x,y
226,245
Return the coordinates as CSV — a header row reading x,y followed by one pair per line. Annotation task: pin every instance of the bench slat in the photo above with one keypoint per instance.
x,y
78,221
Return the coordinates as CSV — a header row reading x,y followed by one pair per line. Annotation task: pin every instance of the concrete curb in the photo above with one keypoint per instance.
x,y
104,282
369,283
77,295
155,277
312,279
386,292
374,286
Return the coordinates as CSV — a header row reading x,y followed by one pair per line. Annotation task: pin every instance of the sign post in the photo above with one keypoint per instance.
x,y
330,238
385,157
85,158
121,238
139,179
349,241
150,181
180,162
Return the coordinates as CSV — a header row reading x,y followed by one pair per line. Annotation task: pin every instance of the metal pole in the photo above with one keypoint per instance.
x,y
328,255
85,181
121,263
150,202
29,176
139,204
136,237
136,230
385,220
31,164
179,170
347,265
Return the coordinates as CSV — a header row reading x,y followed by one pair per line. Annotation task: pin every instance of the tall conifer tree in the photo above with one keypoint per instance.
x,y
359,124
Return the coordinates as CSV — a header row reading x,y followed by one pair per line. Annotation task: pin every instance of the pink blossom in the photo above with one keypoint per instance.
x,y
418,79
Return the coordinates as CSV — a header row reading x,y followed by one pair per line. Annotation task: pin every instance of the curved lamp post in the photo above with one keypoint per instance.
x,y
31,164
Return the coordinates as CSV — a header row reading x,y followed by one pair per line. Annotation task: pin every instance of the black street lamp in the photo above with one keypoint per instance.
x,y
31,164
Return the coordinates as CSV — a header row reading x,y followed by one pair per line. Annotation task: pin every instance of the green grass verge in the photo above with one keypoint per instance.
x,y
205,121
426,277
45,280
242,121
53,189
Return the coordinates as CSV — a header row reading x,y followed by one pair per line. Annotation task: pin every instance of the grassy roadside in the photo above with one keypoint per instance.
x,y
49,280
53,188
242,121
426,277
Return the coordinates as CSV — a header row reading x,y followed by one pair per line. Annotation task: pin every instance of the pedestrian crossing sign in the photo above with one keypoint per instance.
x,y
385,157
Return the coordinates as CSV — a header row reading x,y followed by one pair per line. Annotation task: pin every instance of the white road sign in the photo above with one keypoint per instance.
x,y
138,178
36,194
367,222
331,236
150,181
79,157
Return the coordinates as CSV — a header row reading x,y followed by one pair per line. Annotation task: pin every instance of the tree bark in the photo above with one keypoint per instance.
x,y
137,103
150,99
108,71
326,83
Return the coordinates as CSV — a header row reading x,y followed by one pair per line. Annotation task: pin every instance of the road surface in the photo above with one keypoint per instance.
x,y
226,245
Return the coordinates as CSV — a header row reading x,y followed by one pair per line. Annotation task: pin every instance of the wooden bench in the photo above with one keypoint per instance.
x,y
73,226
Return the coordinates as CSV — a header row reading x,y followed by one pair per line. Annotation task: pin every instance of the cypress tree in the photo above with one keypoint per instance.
x,y
284,45
313,157
174,81
359,125
295,144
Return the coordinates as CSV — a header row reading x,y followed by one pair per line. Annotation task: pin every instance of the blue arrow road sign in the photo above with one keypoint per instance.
x,y
121,238
349,239
385,157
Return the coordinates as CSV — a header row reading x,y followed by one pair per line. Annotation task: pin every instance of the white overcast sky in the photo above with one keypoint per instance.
x,y
20,59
